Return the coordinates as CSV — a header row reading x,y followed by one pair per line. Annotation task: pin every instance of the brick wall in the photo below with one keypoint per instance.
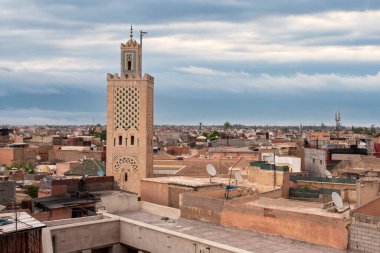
x,y
365,233
92,184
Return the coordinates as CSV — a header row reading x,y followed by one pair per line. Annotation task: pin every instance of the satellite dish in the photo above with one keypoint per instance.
x,y
211,171
337,200
328,174
238,177
38,157
2,207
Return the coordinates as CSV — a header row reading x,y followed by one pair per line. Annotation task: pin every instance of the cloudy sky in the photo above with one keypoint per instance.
x,y
249,62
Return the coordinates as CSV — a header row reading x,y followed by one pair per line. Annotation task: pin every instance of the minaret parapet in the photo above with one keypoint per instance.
x,y
114,76
148,77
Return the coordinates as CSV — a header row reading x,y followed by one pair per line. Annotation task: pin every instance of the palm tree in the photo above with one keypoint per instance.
x,y
226,127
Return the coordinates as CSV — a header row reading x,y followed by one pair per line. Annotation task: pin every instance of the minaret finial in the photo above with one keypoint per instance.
x,y
131,32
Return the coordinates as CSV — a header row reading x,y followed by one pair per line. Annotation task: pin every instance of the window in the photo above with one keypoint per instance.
x,y
125,177
114,142
132,140
313,160
120,140
126,141
128,59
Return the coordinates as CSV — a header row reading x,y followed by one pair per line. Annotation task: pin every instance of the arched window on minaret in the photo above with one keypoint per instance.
x,y
120,140
129,65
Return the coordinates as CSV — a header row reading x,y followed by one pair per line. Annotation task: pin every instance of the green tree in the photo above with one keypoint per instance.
x,y
205,134
214,135
32,191
227,126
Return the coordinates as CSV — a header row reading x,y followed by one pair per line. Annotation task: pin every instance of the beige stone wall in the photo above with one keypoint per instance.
x,y
265,177
367,189
311,228
154,192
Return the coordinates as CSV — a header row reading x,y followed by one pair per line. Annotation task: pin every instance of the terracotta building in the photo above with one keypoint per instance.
x,y
130,120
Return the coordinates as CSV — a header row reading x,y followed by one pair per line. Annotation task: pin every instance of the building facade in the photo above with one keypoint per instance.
x,y
130,120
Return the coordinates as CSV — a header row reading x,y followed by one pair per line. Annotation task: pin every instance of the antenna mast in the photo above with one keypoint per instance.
x,y
142,34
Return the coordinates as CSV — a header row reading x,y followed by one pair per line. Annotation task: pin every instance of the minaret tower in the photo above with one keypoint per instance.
x,y
130,120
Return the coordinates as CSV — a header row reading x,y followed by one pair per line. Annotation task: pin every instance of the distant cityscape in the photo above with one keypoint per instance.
x,y
134,184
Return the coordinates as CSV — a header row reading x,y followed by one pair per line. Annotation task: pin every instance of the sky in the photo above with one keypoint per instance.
x,y
247,62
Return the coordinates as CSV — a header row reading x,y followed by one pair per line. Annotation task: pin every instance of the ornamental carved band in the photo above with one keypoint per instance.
x,y
122,163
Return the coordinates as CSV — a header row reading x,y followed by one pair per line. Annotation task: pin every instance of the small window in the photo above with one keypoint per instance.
x,y
114,142
125,177
132,140
120,140
129,65
126,141
313,160
320,162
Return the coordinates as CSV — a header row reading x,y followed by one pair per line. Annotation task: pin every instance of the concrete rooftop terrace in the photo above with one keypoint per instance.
x,y
240,239
296,206
202,182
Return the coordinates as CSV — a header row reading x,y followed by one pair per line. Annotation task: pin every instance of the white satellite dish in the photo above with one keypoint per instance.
x,y
328,174
38,157
337,200
211,171
239,178
2,207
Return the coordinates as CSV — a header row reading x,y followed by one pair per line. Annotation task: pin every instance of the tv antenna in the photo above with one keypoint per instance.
x,y
338,121
211,171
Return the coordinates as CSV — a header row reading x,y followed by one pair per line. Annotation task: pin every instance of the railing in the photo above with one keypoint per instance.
x,y
295,178
305,193
267,166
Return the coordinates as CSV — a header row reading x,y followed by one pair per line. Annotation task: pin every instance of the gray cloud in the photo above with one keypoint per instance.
x,y
56,51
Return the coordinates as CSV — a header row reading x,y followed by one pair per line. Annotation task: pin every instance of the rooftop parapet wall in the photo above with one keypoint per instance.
x,y
199,207
327,231
206,206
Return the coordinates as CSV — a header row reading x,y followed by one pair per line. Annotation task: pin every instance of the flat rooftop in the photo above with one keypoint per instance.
x,y
54,202
244,240
295,206
184,181
202,182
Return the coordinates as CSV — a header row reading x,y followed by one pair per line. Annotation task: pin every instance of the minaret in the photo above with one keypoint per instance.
x,y
130,120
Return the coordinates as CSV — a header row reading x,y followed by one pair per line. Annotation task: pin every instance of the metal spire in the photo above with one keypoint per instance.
x,y
131,35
